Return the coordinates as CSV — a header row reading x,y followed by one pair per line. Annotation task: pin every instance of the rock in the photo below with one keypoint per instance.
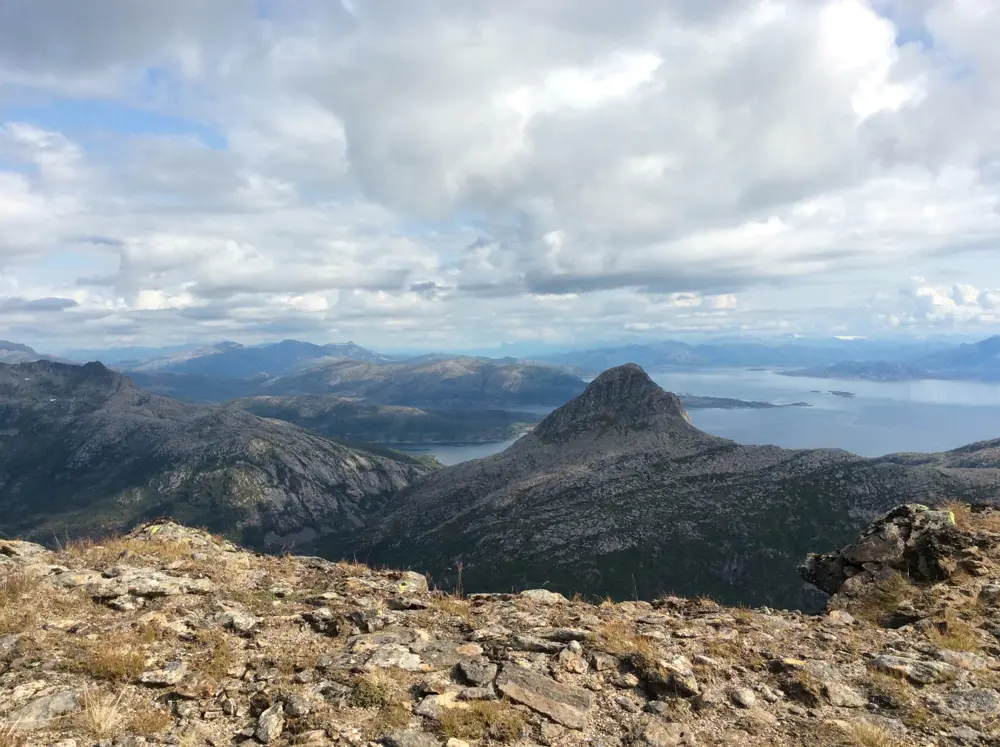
x,y
410,738
564,704
962,659
322,620
170,674
296,705
478,693
478,672
602,662
531,643
452,742
677,678
270,724
651,731
912,539
239,621
978,701
843,696
744,697
917,671
572,662
404,604
395,656
411,583
40,713
432,706
544,597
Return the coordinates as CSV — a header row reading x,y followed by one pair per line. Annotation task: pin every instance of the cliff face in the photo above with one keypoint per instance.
x,y
172,636
83,452
617,493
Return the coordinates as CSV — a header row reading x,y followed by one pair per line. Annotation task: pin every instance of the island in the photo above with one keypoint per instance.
x,y
698,402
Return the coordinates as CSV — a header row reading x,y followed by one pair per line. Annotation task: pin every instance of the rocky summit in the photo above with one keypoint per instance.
x,y
169,635
617,493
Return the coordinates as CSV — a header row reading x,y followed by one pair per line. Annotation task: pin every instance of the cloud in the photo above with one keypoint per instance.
x,y
411,173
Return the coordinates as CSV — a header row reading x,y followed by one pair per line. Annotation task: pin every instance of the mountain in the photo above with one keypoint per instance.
x,y
741,354
342,418
232,360
616,492
864,371
968,362
83,450
13,352
980,361
452,383
427,383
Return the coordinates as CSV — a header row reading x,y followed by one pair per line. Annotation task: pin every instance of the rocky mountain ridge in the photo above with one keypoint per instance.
x,y
172,636
617,493
83,452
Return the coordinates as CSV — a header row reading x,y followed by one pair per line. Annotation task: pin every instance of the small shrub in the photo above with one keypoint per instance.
x,y
484,719
102,714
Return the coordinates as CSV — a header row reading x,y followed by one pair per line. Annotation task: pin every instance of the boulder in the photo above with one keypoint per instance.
x,y
563,704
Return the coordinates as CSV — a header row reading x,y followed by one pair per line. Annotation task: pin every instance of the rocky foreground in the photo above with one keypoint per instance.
x,y
172,636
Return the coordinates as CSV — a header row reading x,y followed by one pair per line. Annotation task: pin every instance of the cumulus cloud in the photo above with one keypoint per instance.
x,y
408,173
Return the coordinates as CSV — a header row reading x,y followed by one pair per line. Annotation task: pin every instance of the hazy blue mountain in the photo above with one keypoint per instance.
x,y
978,361
233,360
14,352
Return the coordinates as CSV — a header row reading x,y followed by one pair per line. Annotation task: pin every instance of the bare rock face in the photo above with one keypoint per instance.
x,y
914,540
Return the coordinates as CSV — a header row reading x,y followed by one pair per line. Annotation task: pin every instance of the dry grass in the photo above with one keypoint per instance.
x,y
353,568
219,655
495,720
966,518
11,737
102,714
954,634
454,606
375,690
107,552
149,721
15,617
643,654
889,690
803,686
864,734
112,659
881,598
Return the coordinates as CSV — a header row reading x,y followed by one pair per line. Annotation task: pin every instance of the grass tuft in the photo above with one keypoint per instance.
x,y
15,617
102,715
954,634
495,720
864,734
375,690
10,736
218,657
149,721
112,660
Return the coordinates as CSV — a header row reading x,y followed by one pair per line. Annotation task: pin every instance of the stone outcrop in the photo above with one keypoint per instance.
x,y
172,636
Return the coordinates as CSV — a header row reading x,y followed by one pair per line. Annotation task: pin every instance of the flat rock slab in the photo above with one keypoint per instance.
x,y
563,704
41,713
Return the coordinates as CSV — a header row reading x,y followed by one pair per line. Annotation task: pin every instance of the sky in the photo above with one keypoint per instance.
x,y
466,173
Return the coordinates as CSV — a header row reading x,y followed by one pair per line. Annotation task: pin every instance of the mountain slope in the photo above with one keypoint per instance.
x,y
82,450
452,383
617,493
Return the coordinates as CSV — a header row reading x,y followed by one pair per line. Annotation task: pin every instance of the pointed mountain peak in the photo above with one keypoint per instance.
x,y
622,399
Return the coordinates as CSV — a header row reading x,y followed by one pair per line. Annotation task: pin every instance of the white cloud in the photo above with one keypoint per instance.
x,y
404,171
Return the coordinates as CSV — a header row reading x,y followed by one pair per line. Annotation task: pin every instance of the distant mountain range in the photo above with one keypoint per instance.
x,y
232,360
83,452
974,362
617,493
13,352
450,383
